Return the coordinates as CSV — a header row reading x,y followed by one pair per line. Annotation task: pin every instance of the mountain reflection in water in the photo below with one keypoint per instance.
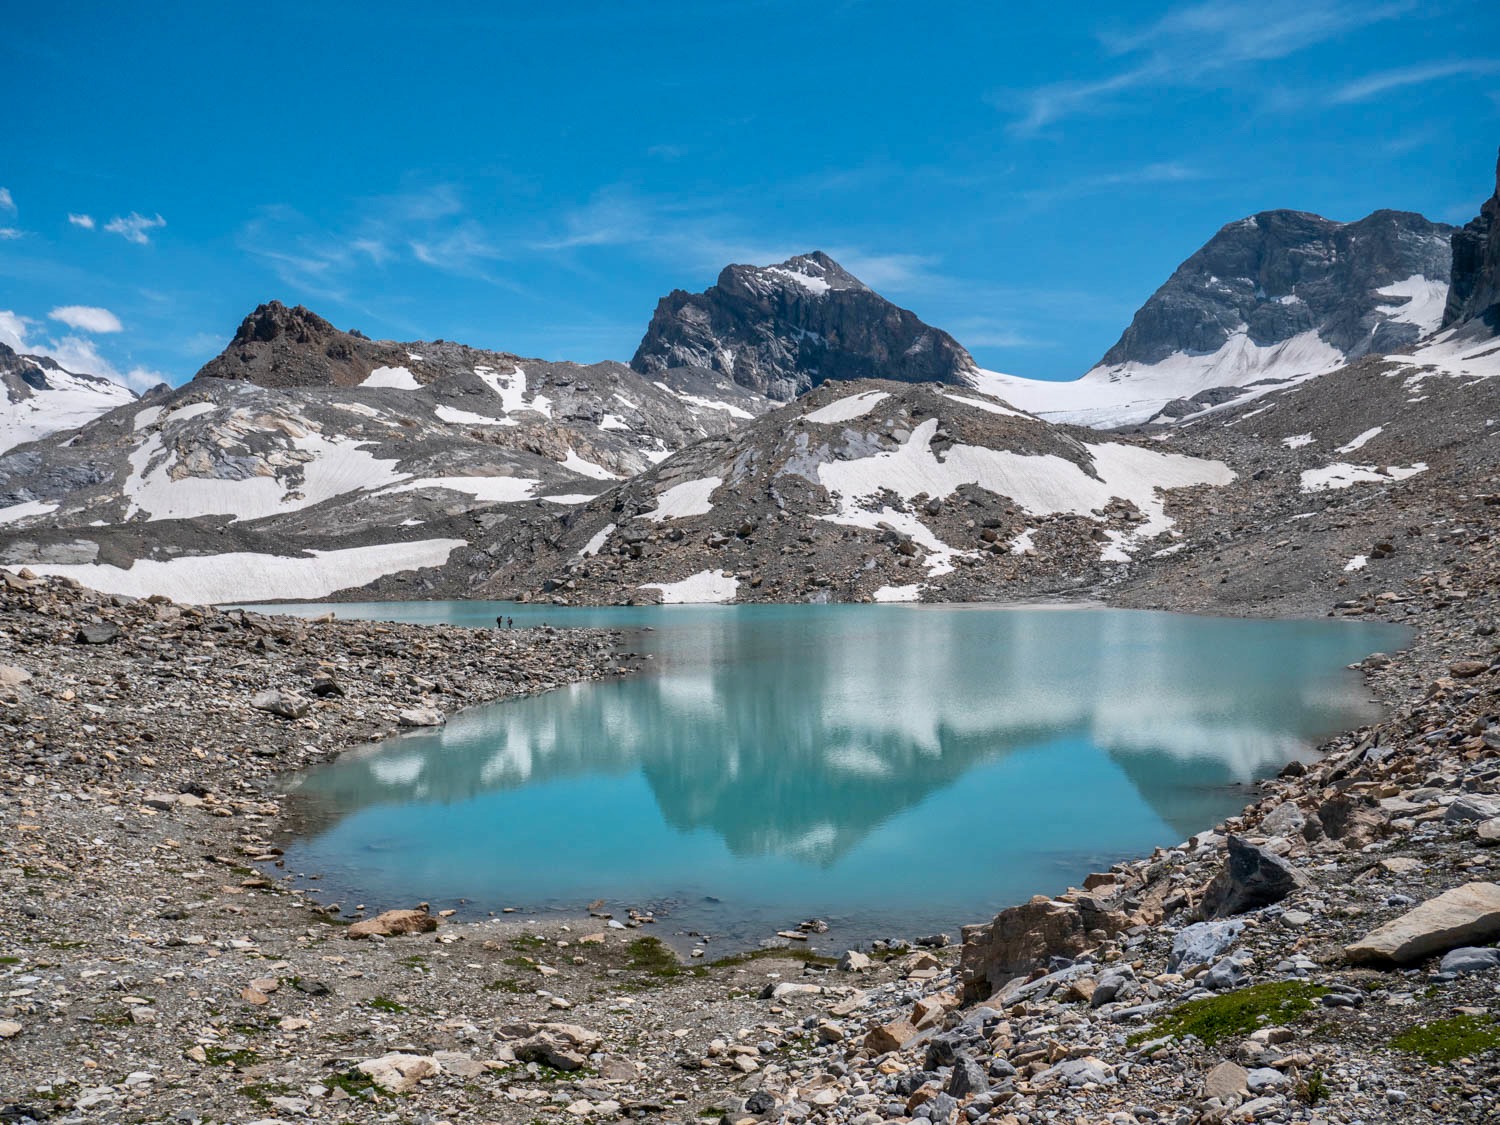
x,y
890,762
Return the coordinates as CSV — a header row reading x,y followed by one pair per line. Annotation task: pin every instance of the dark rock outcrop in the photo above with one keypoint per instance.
x,y
1252,877
783,329
1280,273
1475,291
282,347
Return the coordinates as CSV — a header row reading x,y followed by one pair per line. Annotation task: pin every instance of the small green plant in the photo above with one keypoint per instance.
x,y
506,984
10,960
385,1004
651,955
355,1083
1444,1041
528,941
1235,1013
1313,1088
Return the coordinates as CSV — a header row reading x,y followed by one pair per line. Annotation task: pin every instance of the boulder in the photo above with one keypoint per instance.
x,y
855,962
1252,877
421,717
1471,807
394,923
1200,943
1285,819
284,704
398,1073
1226,1081
562,1046
12,676
104,633
1463,916
1471,959
1489,831
889,1036
1022,938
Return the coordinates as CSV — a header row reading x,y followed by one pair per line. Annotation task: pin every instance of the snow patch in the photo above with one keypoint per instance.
x,y
398,378
587,468
1357,562
899,593
1297,441
705,586
815,285
26,510
847,409
1360,441
992,407
1425,300
596,543
1342,475
244,576
690,498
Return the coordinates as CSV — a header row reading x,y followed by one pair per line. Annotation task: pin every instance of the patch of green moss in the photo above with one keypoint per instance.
x,y
806,956
10,960
385,1004
528,941
1444,1041
1235,1013
519,962
651,955
506,984
222,1056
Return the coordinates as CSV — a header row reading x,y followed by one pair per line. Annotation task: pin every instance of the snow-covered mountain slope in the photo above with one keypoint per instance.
x,y
279,460
42,398
871,490
1273,298
784,328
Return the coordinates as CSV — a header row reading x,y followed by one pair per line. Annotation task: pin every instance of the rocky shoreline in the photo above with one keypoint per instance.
x,y
151,972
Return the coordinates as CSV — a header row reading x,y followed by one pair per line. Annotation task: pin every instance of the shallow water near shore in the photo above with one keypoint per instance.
x,y
895,770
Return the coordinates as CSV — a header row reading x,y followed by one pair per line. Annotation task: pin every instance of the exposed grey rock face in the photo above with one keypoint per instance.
x,y
785,328
1277,274
38,396
1475,292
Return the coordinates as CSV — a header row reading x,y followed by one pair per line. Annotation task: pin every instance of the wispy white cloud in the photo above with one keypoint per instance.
x,y
8,234
7,203
13,330
84,221
74,353
87,318
1398,78
1191,46
1161,172
135,227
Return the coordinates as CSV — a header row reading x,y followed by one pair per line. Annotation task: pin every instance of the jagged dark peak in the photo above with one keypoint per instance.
x,y
784,328
1475,292
1278,274
277,346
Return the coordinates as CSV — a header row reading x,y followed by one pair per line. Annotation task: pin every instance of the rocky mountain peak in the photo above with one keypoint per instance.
x,y
277,346
784,328
1276,275
1475,292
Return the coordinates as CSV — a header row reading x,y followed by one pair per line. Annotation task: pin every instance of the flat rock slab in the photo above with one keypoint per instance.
x,y
1466,915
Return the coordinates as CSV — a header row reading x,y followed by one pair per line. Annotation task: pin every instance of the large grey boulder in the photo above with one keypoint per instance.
x,y
1465,915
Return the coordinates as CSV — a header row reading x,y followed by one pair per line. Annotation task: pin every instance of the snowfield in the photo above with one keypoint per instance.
x,y
69,402
1130,393
690,498
243,576
1041,484
705,586
847,409
397,377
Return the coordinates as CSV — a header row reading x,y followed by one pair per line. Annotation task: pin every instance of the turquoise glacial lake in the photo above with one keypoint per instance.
x,y
894,770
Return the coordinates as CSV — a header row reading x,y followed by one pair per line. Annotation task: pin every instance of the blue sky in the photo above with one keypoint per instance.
x,y
1023,175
